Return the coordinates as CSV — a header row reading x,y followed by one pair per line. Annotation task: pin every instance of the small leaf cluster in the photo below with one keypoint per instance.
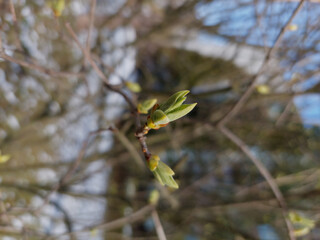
x,y
171,110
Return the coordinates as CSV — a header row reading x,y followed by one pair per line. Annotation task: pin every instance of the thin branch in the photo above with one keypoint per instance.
x,y
129,146
159,229
13,12
91,24
98,70
265,173
70,171
134,217
238,106
41,69
285,113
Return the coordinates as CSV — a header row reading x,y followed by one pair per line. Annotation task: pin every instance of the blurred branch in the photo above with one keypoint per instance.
x,y
265,173
71,169
39,68
129,146
98,70
134,217
285,113
240,103
91,24
157,223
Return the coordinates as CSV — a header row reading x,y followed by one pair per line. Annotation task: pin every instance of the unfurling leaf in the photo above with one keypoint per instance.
x,y
158,117
134,87
180,111
146,105
167,106
57,7
302,225
162,172
169,111
4,158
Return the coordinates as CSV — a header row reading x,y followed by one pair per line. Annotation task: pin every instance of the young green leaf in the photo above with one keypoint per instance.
x,y
180,111
146,105
163,173
173,99
158,117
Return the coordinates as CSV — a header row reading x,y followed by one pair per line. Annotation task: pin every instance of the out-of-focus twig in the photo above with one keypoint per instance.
x,y
98,70
73,167
159,229
265,173
91,24
240,103
285,113
129,146
134,217
39,68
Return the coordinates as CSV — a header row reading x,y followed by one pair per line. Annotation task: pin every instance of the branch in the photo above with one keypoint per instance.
x,y
157,223
41,69
265,173
238,106
70,171
134,217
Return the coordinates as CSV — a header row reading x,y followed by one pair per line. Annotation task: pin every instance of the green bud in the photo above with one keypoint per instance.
x,y
162,172
57,7
153,162
146,105
154,196
4,158
134,87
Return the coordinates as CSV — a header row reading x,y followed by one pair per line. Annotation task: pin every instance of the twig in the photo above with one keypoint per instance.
x,y
285,112
1,46
159,229
41,69
91,24
265,173
13,12
98,70
238,106
70,171
129,146
134,217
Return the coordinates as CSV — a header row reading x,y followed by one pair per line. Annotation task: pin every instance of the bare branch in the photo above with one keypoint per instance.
x,y
265,173
238,106
157,223
41,69
91,24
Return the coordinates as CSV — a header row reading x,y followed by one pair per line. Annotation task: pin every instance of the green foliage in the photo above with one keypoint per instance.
x,y
146,105
302,225
162,172
170,110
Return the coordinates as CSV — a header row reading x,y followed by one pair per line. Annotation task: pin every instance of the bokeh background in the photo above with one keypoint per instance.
x,y
51,99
